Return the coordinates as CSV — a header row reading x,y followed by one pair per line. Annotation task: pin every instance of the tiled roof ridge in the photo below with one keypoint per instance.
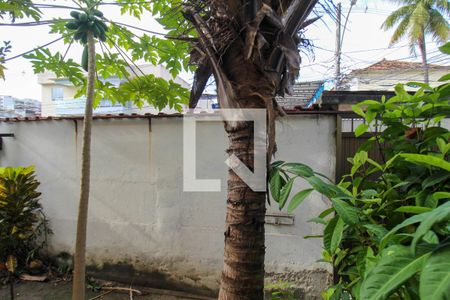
x,y
386,64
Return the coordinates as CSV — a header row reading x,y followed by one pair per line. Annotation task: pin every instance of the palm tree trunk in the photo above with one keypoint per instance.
x,y
423,52
243,270
78,290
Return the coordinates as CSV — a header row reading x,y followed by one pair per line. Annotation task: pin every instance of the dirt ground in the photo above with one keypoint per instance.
x,y
62,291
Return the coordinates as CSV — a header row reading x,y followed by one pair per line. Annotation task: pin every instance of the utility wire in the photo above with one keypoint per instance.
x,y
38,23
32,50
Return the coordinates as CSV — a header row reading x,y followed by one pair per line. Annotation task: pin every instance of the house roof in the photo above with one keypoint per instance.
x,y
303,94
389,65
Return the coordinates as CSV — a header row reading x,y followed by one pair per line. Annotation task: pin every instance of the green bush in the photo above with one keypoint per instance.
x,y
23,226
387,233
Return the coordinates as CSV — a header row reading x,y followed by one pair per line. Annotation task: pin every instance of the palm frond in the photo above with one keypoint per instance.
x,y
400,31
398,15
420,17
438,27
443,6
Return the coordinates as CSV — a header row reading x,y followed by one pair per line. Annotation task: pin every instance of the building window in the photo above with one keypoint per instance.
x,y
57,93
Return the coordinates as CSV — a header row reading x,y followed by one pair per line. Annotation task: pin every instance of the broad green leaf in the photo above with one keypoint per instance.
x,y
326,212
332,235
405,223
277,164
444,147
358,110
445,48
317,220
327,294
424,86
299,169
427,160
431,216
431,238
435,179
413,209
319,185
276,183
397,265
285,192
375,164
361,129
378,230
445,78
435,276
441,195
437,215
298,199
348,213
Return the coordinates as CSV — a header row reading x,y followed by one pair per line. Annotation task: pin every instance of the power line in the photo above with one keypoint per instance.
x,y
32,50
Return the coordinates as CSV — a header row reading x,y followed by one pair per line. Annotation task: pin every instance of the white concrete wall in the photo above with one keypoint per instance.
x,y
386,80
139,213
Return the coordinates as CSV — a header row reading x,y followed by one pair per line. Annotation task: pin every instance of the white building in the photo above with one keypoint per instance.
x,y
11,107
386,74
58,95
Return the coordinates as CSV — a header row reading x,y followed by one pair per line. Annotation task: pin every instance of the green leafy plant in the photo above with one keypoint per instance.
x,y
23,225
281,290
387,232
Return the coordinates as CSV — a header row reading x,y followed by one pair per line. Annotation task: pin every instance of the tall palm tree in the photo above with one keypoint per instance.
x,y
417,19
251,49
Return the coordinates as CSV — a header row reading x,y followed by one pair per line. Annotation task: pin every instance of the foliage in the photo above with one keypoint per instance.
x,y
281,290
387,232
417,18
23,225
15,9
120,46
3,50
18,9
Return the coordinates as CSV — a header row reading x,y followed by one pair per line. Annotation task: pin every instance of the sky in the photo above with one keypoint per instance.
x,y
364,44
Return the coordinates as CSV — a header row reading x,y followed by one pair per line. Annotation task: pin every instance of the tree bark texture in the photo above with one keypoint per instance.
x,y
243,270
79,273
251,48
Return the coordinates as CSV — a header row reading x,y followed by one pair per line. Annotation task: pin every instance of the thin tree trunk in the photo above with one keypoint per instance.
x,y
423,52
243,270
78,290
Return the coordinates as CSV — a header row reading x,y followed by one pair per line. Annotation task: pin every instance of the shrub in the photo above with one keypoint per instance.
x,y
23,226
387,233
